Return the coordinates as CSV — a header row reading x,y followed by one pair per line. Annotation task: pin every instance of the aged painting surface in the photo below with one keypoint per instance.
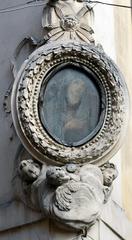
x,y
70,106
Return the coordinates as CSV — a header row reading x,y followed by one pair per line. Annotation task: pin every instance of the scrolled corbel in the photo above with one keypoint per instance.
x,y
72,195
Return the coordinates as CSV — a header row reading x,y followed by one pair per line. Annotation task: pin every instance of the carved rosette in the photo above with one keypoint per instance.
x,y
25,100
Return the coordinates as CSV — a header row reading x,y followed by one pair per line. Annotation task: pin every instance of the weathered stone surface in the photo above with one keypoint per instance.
x,y
73,199
13,28
64,187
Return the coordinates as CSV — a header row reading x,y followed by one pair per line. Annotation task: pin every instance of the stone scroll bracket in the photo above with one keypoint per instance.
x,y
56,191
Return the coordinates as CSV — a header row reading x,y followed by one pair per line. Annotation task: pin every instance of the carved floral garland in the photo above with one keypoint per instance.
x,y
26,97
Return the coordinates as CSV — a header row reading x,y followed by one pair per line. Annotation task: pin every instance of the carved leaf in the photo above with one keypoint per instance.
x,y
63,196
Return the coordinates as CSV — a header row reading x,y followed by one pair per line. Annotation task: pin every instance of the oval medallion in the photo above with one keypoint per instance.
x,y
70,104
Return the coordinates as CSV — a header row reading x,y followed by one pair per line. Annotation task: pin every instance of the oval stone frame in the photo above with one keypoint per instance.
x,y
25,100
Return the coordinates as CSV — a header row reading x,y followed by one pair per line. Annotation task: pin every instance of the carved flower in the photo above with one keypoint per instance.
x,y
69,23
